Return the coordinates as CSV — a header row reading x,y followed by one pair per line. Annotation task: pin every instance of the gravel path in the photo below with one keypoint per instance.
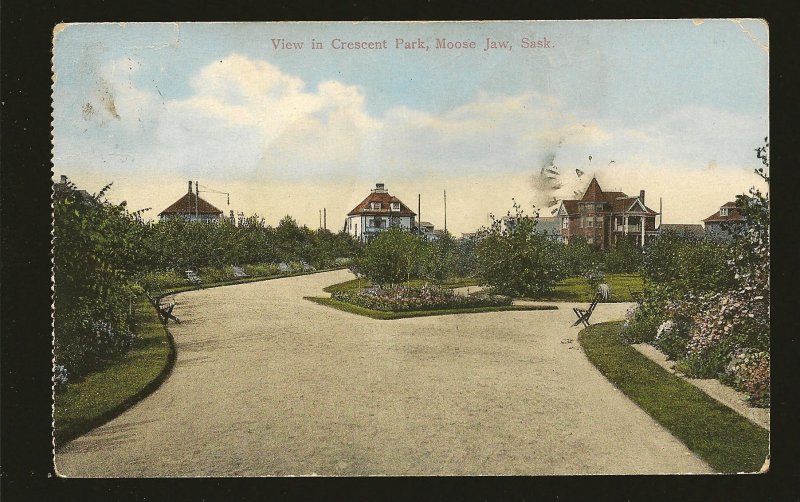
x,y
266,383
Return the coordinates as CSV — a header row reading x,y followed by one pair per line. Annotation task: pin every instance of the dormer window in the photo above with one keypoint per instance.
x,y
723,211
395,206
374,205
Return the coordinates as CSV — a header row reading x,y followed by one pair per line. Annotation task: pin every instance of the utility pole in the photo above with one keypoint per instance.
x,y
419,214
325,218
660,212
196,201
445,211
320,219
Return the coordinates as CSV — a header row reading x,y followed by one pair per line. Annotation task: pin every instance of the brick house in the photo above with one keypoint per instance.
x,y
190,207
377,212
603,218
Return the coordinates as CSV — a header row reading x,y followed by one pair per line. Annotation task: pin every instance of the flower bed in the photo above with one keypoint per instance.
x,y
407,299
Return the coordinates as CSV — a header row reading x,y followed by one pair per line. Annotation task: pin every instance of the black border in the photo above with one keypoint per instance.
x,y
25,455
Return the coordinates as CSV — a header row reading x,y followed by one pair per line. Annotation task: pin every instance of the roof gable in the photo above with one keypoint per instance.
x,y
191,204
385,200
593,192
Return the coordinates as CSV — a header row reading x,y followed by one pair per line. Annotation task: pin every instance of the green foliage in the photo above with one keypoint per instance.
x,y
623,257
517,261
406,299
95,252
394,256
714,295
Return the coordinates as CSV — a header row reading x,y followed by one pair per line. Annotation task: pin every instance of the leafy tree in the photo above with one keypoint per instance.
x,y
623,257
392,257
515,260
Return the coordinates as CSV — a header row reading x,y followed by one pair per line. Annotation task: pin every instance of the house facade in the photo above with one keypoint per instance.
x,y
604,218
379,211
190,207
724,222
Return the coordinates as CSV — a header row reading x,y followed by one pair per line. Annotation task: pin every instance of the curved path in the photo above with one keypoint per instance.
x,y
266,383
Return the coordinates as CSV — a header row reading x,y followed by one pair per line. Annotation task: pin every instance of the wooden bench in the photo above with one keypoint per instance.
x,y
164,311
238,272
585,314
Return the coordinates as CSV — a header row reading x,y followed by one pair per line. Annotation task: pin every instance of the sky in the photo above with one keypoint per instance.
x,y
675,108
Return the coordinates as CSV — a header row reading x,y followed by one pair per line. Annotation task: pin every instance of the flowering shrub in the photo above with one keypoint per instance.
x,y
707,302
748,371
60,376
405,299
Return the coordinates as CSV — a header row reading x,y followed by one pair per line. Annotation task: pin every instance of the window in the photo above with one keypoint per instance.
x,y
723,211
395,206
583,221
591,222
374,205
564,223
590,240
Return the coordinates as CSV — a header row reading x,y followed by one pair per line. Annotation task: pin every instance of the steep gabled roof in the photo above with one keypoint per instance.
x,y
186,205
570,206
593,192
385,199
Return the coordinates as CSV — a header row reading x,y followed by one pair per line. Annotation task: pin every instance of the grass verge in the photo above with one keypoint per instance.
x,y
379,314
576,289
104,394
728,442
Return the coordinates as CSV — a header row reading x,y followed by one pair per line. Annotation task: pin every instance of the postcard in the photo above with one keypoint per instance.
x,y
523,248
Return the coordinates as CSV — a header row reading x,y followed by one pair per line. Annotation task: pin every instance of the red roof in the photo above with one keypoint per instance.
x,y
186,205
733,214
618,202
593,193
385,199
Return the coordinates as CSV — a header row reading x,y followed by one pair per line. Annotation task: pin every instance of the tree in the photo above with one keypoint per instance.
x,y
515,260
392,257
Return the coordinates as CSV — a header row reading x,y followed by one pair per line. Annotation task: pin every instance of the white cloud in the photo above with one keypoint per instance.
x,y
248,126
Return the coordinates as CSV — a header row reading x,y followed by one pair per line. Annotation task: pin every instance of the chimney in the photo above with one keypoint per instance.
x,y
380,188
190,186
641,196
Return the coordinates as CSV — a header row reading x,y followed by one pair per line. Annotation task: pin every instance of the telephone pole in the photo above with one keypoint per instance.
x,y
445,211
325,218
419,214
196,201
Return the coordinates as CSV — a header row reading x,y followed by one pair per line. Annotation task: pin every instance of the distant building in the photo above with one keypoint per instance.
x,y
603,218
190,207
549,226
724,222
427,230
684,229
377,212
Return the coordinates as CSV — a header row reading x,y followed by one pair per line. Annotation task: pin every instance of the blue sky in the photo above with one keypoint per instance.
x,y
285,131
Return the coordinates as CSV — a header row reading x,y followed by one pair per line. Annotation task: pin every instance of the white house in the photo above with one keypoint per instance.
x,y
379,211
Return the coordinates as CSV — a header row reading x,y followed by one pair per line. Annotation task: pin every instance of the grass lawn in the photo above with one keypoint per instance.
x,y
379,314
576,289
106,393
727,441
354,284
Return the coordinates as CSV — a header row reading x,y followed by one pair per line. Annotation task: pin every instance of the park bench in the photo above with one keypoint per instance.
x,y
164,311
585,314
193,277
238,272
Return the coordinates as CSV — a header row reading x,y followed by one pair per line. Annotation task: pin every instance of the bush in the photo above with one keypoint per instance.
x,y
748,371
623,257
407,299
517,261
393,256
261,269
155,282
